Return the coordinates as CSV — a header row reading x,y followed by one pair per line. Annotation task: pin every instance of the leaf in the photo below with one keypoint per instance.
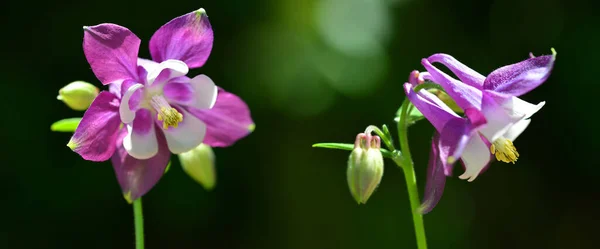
x,y
343,146
65,125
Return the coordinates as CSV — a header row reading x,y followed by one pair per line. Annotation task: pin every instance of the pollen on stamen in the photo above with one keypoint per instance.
x,y
504,150
167,114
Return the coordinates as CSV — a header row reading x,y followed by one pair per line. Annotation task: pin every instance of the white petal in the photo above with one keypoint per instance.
x,y
127,115
475,157
141,146
148,65
521,108
176,68
205,92
517,129
188,134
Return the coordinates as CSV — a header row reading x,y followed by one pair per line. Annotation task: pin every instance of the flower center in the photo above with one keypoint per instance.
x,y
169,115
504,150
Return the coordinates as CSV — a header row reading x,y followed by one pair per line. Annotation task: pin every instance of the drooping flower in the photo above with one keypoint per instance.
x,y
494,116
152,109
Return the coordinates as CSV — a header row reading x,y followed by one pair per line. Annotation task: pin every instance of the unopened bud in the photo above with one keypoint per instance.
x,y
199,163
365,167
444,97
78,95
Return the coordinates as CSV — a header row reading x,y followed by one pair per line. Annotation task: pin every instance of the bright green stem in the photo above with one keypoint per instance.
x,y
138,219
407,166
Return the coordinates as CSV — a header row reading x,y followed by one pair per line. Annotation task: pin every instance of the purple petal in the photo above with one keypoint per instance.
x,y
228,121
111,51
136,177
520,78
94,138
454,138
464,73
140,141
431,106
188,38
179,93
464,95
436,178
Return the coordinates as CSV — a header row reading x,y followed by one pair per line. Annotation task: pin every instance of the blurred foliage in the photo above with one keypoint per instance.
x,y
311,71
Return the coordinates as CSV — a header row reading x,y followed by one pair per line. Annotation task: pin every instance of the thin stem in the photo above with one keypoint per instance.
x,y
386,139
409,175
138,219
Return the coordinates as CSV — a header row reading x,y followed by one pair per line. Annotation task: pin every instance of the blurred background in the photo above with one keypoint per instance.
x,y
311,71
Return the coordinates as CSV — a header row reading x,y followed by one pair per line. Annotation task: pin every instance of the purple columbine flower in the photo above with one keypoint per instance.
x,y
152,109
494,115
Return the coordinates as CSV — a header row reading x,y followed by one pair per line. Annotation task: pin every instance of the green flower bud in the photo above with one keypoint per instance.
x,y
78,95
199,163
365,167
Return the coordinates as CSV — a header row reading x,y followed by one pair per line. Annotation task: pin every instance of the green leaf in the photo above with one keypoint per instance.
x,y
65,125
343,146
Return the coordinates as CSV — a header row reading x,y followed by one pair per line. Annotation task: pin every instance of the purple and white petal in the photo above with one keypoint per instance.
x,y
127,113
464,73
436,178
165,71
205,92
520,78
136,177
475,157
188,134
149,65
188,38
454,138
94,138
111,51
140,141
464,95
227,121
498,120
517,107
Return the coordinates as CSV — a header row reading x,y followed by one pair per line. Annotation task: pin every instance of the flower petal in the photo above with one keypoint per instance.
x,y
498,119
464,73
436,178
453,139
188,38
149,65
127,114
136,177
517,107
464,95
228,121
94,138
520,78
516,129
165,71
140,141
475,157
188,134
436,111
111,51
205,92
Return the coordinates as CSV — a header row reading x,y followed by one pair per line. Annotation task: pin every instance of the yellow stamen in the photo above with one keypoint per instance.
x,y
170,117
504,150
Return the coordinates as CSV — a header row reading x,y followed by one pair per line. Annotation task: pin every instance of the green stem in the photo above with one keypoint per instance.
x,y
138,219
407,166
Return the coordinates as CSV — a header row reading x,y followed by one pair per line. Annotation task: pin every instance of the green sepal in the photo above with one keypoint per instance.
x,y
343,146
65,125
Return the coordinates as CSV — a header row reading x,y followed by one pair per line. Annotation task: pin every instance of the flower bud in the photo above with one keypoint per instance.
x,y
78,95
365,167
199,163
444,97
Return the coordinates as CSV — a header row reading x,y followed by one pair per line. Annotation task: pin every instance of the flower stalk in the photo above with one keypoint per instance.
x,y
407,165
138,219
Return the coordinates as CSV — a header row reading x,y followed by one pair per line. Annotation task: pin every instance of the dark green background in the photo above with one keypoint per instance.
x,y
309,73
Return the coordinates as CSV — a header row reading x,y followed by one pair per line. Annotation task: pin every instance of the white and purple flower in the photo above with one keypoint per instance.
x,y
494,115
152,109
